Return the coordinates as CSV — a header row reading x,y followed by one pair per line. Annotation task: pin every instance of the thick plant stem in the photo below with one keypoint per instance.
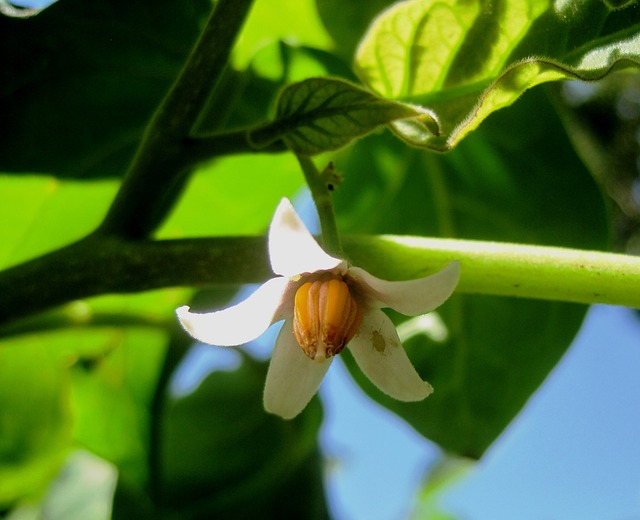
x,y
98,265
321,194
157,172
502,269
101,265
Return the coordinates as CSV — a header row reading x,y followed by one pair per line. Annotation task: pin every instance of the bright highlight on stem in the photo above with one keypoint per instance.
x,y
503,269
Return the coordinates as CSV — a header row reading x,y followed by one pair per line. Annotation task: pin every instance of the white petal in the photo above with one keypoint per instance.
x,y
380,355
292,249
293,378
242,322
409,297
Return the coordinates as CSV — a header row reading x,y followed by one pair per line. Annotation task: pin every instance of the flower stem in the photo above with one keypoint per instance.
x,y
319,186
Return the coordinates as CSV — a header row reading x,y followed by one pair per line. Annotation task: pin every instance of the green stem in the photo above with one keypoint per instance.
x,y
157,172
502,269
75,317
100,265
321,195
202,148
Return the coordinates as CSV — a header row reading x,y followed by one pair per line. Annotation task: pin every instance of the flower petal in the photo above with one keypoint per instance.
x,y
409,297
292,249
242,322
293,378
380,355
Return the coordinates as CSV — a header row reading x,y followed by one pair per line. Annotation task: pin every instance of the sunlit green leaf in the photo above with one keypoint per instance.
x,y
233,196
321,114
120,377
40,213
246,98
120,384
269,22
35,419
465,60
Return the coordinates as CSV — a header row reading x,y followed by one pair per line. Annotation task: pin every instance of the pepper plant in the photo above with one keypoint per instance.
x,y
145,146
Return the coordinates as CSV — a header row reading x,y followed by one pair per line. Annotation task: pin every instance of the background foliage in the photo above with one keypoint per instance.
x,y
79,84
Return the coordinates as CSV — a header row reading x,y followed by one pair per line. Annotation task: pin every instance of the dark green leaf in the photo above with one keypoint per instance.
x,y
532,190
224,457
79,81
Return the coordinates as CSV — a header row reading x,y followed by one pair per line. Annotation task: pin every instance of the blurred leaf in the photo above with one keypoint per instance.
x,y
79,81
247,98
120,384
602,121
446,473
492,187
233,196
618,4
82,491
347,20
35,419
224,457
39,213
269,22
465,60
320,114
115,371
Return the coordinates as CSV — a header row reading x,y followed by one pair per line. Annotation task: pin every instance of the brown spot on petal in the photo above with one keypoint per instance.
x,y
378,342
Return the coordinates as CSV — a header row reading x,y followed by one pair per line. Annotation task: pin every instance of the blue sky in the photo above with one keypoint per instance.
x,y
572,453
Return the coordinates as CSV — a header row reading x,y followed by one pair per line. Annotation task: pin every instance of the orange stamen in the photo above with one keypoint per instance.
x,y
326,317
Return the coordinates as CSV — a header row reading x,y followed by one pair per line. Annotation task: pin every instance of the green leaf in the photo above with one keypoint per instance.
x,y
80,81
224,457
320,114
114,346
268,23
116,369
40,213
347,20
246,98
35,419
119,383
530,190
465,60
233,196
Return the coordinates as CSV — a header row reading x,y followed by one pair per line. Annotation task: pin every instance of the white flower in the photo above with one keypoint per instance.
x,y
326,305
